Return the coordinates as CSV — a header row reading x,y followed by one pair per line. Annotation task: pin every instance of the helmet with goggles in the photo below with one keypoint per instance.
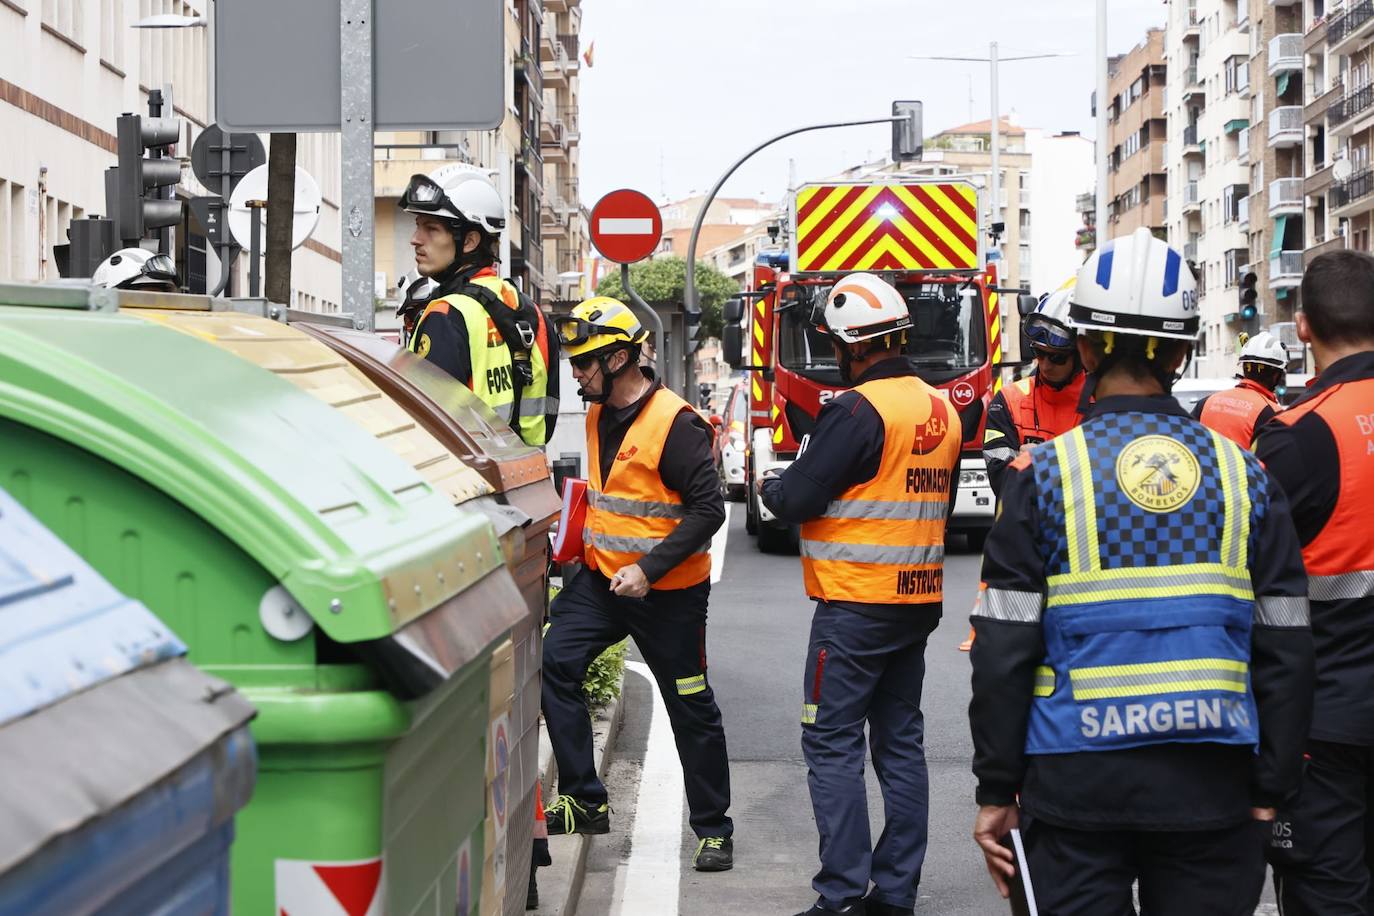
x,y
597,324
459,193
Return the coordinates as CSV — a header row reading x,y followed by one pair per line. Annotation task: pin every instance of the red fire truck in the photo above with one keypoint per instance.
x,y
924,237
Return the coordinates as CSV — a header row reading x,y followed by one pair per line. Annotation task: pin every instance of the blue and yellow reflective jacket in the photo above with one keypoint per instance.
x,y
1147,614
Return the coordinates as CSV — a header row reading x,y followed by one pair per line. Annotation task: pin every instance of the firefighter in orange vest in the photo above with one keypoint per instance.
x,y
1239,412
1051,401
653,503
872,492
1321,450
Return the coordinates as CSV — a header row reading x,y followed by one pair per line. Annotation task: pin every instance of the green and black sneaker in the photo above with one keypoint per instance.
x,y
714,853
568,815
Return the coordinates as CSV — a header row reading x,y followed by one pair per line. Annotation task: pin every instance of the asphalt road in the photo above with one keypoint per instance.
x,y
757,636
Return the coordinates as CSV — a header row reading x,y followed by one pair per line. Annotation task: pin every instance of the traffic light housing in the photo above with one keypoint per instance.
x,y
141,206
1249,297
692,322
907,142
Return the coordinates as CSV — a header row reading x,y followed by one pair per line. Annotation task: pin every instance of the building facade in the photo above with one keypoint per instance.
x,y
1137,179
68,71
1208,51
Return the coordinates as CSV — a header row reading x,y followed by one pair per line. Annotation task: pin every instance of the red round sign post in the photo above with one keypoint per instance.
x,y
626,226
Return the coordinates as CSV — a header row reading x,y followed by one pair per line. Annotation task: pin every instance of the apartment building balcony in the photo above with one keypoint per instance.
x,y
1193,88
1285,269
1285,126
1243,146
1191,25
1285,197
1352,195
1285,2
1243,213
1344,34
1191,146
1318,181
1352,112
1316,34
1285,53
556,6
1321,246
1321,103
1192,200
558,58
1190,251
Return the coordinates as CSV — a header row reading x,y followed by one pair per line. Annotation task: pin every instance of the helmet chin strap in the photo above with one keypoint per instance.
x,y
603,368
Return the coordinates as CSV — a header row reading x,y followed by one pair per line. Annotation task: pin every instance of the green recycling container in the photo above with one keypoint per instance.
x,y
343,595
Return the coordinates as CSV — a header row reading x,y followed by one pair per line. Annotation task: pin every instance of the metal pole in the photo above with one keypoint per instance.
x,y
355,96
255,208
996,205
1100,229
691,291
225,246
646,311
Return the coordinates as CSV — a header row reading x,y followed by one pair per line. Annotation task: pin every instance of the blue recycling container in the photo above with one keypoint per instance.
x,y
123,763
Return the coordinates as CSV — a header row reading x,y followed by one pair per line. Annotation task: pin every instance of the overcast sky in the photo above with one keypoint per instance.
x,y
680,89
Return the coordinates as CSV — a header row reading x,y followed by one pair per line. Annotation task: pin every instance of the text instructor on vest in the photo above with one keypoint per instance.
x,y
653,504
871,492
1142,676
477,327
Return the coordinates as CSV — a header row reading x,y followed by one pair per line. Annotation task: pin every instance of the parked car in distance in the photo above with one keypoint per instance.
x,y
732,437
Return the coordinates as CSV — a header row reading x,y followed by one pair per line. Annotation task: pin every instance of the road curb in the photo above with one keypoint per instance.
x,y
560,884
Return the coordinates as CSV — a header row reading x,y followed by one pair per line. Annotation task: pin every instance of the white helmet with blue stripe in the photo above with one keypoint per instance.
x,y
1136,284
1048,326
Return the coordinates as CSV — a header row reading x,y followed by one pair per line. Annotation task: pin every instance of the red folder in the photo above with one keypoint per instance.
x,y
567,544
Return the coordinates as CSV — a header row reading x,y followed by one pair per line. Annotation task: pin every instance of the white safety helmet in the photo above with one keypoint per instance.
x,y
459,192
861,307
1048,326
1266,349
1136,284
137,268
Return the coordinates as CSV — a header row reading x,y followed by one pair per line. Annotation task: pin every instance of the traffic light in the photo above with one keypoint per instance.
x,y
693,325
907,143
141,206
1249,298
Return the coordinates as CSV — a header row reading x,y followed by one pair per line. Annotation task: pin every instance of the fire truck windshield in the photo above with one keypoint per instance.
x,y
948,337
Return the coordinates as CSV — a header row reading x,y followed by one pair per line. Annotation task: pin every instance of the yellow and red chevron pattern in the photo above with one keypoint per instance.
x,y
915,226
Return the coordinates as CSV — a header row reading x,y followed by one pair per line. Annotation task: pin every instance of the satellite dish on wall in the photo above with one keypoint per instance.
x,y
253,186
1341,169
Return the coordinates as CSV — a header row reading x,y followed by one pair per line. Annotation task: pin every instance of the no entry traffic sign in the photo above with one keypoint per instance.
x,y
626,226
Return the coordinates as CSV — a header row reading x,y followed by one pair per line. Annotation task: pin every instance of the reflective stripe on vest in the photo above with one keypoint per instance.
x,y
493,378
632,511
1150,633
882,542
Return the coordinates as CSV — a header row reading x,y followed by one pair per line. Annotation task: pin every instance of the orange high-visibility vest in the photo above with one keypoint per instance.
x,y
883,542
632,511
1234,412
1041,412
1340,564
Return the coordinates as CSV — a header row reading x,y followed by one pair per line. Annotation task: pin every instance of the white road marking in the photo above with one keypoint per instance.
x,y
718,548
654,873
608,225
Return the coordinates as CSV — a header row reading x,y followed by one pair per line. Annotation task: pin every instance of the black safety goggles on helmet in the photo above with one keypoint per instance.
x,y
424,193
1056,357
573,332
160,267
1046,332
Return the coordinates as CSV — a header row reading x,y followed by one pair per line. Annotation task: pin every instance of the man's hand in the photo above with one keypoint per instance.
x,y
630,582
1263,814
993,823
770,474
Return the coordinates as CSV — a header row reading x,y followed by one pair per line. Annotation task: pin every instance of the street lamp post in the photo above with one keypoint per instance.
x,y
995,124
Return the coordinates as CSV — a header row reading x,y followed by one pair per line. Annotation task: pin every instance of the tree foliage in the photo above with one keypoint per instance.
x,y
663,281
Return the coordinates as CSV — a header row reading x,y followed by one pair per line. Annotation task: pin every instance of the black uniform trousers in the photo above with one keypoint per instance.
x,y
1322,840
1181,873
669,627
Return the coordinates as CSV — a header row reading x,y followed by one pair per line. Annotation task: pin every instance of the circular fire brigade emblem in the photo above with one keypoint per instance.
x,y
962,394
422,349
1157,473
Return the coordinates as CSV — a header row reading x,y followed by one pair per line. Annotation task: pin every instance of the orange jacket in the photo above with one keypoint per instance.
x,y
882,541
1239,412
632,511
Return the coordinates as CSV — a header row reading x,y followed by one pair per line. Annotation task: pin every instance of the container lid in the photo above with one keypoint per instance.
x,y
88,674
447,408
324,374
357,537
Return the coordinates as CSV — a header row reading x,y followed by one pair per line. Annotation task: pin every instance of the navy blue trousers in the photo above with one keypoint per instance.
x,y
669,628
859,670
